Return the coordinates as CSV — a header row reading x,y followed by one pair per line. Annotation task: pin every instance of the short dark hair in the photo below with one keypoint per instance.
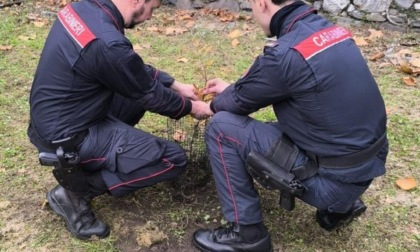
x,y
279,2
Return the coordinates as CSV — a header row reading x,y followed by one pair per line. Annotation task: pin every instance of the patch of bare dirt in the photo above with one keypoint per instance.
x,y
159,218
22,215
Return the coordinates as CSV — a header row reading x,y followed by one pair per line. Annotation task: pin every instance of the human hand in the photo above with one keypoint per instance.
x,y
200,110
186,90
215,86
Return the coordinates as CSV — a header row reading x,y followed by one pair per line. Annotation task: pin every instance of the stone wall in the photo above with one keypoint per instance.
x,y
397,12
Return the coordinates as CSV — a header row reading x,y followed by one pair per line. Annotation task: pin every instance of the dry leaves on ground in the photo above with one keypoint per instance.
x,y
407,183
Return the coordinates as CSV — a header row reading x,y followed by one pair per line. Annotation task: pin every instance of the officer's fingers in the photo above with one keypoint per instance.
x,y
194,97
212,82
207,91
209,85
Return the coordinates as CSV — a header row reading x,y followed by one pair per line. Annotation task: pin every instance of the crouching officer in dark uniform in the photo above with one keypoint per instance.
x,y
328,144
89,90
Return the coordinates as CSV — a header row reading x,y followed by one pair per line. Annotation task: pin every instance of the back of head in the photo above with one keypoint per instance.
x,y
281,2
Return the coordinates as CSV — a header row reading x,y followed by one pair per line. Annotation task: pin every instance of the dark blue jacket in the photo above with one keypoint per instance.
x,y
85,61
321,90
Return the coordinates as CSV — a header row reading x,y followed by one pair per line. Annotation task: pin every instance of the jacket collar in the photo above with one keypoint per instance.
x,y
283,20
111,10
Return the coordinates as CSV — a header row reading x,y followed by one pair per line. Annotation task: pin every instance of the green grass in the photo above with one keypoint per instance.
x,y
390,224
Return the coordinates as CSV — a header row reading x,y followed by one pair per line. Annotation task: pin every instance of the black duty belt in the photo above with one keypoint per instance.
x,y
79,137
353,159
75,140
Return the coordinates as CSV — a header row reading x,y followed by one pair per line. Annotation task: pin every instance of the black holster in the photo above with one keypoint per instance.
x,y
272,176
66,165
275,170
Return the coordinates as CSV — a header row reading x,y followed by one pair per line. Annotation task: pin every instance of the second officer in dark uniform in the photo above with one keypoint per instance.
x,y
329,141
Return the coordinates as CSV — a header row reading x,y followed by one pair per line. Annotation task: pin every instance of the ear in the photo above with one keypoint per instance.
x,y
261,4
137,2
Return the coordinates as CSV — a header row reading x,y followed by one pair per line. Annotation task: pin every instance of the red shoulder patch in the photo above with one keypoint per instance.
x,y
321,41
75,26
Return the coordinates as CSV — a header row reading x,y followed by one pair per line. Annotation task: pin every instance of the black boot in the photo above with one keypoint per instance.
x,y
331,221
76,211
234,238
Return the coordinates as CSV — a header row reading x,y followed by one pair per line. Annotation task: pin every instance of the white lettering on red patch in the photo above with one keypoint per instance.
x,y
75,26
322,40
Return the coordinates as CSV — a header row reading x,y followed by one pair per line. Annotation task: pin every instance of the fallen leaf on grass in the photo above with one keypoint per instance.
x,y
415,62
5,47
235,42
405,67
374,34
360,41
235,34
170,31
44,204
224,15
409,81
179,136
186,16
154,29
227,17
63,3
404,52
182,60
244,17
39,23
190,24
407,183
166,20
377,56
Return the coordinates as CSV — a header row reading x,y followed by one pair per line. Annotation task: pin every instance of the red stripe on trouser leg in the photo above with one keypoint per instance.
x,y
227,175
144,178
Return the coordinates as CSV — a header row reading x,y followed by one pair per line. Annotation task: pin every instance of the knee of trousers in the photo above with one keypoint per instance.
x,y
221,116
177,156
224,121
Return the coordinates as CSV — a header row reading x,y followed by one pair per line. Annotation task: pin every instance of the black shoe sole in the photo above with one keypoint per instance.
x,y
356,213
205,250
202,249
199,246
55,207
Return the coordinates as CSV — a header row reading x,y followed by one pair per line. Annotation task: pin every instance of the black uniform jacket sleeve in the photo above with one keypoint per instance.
x,y
122,70
260,87
161,76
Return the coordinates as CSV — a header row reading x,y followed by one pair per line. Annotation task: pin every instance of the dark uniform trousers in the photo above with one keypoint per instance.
x,y
230,138
127,157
